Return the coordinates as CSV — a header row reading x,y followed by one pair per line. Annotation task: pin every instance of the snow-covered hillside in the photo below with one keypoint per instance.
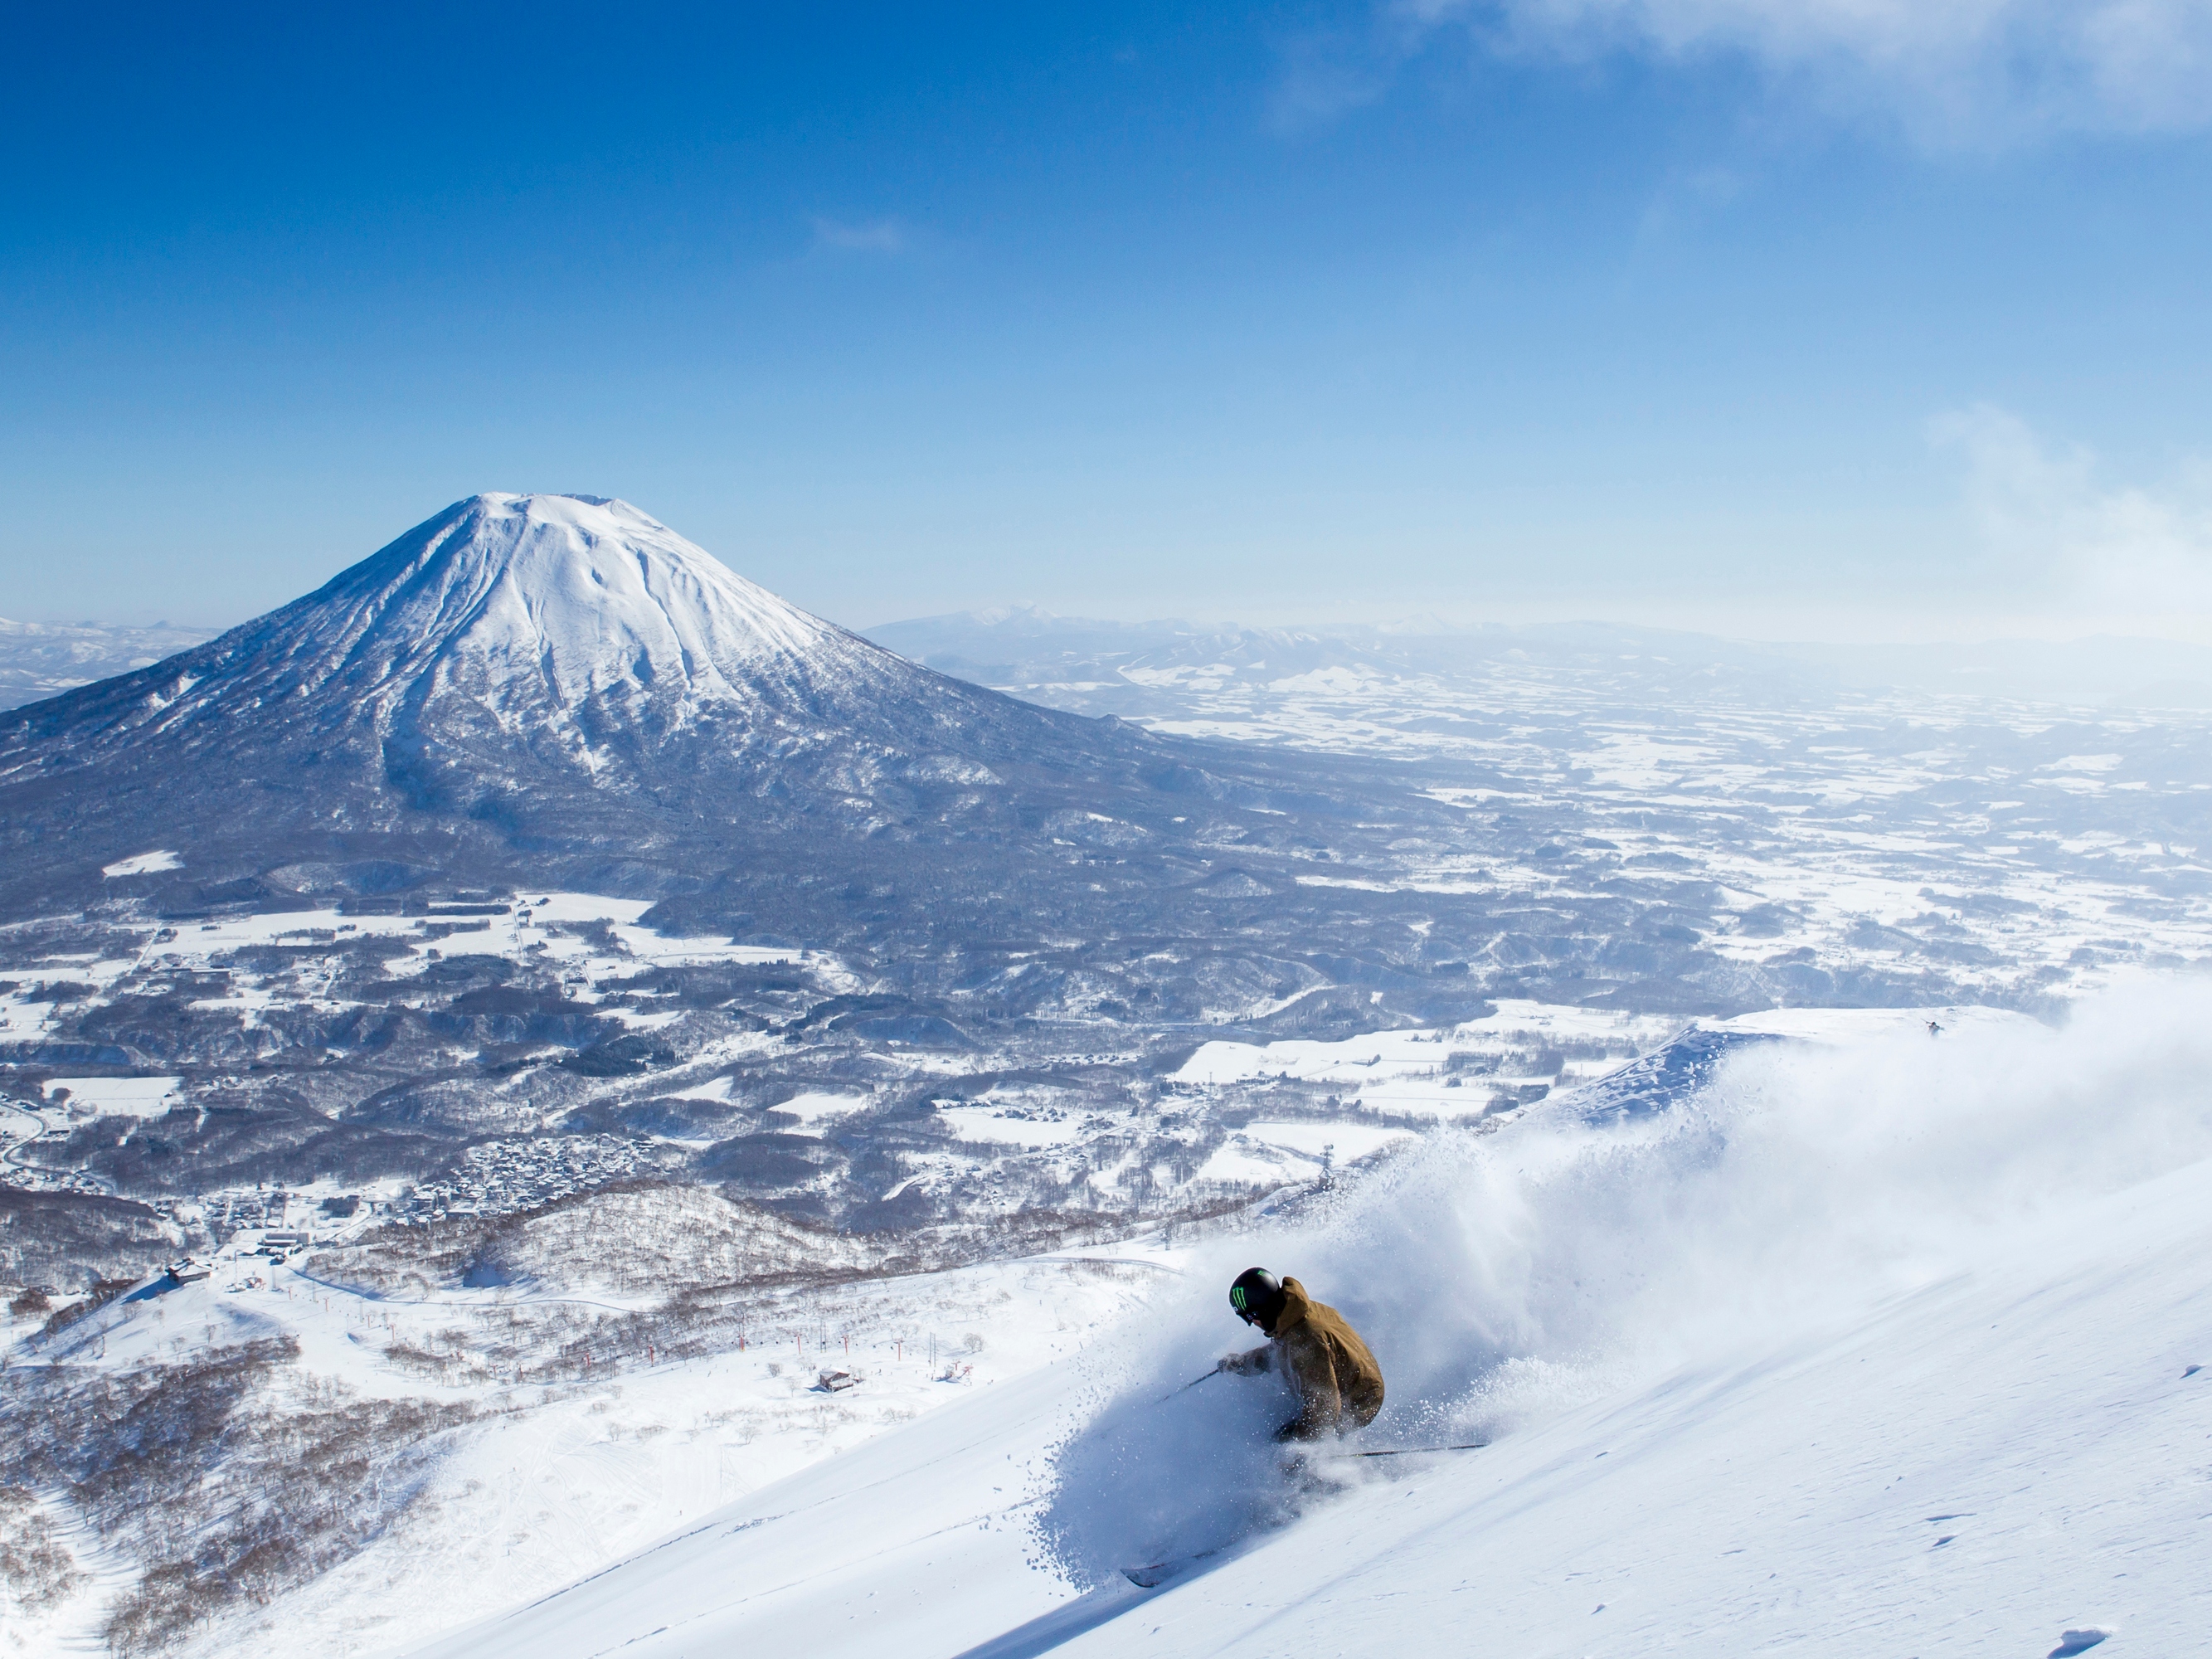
x,y
541,976
1890,1343
1812,1327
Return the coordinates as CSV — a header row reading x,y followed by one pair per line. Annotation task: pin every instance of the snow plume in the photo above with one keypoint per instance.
x,y
2132,555
1504,1278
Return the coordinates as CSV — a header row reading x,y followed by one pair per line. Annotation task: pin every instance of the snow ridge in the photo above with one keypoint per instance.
x,y
584,595
538,604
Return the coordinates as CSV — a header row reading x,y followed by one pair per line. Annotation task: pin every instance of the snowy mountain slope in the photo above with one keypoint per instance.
x,y
511,654
916,1542
354,1456
1978,1469
1883,1345
524,603
558,690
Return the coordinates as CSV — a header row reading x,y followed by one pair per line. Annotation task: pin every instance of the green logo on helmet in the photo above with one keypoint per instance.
x,y
1236,1298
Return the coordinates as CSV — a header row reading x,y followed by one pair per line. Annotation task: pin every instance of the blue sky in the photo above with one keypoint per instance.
x,y
1826,318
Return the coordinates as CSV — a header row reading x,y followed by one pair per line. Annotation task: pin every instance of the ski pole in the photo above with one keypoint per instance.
x,y
1416,1451
1187,1387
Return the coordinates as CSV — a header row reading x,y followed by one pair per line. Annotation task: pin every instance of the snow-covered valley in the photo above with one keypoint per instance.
x,y
1834,823
680,1128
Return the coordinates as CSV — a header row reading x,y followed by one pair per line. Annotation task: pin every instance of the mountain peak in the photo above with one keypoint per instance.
x,y
522,678
576,623
587,592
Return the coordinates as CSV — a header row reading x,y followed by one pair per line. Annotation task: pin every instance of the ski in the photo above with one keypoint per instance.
x,y
1419,1451
1159,1572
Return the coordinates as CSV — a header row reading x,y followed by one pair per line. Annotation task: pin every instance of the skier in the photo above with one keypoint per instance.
x,y
1339,1385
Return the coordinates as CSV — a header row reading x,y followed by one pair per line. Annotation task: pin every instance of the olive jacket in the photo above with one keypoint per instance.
x,y
1339,1385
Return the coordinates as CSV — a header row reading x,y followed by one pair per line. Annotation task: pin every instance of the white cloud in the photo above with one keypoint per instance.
x,y
868,236
1954,72
2104,553
1328,72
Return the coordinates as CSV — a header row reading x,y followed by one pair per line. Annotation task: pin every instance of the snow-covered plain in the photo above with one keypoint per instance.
x,y
142,864
1837,815
1884,1344
120,1097
1411,1074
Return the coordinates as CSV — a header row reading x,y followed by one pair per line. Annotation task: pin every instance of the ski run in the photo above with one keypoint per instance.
x,y
1876,1343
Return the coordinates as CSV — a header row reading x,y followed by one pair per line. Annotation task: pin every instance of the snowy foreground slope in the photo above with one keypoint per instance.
x,y
1879,1345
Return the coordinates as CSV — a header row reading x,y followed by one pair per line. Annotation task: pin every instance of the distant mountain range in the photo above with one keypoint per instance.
x,y
1022,645
43,659
1105,666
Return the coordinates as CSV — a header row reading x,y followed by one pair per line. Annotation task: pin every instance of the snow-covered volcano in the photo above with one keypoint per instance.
x,y
547,688
521,679
534,602
518,618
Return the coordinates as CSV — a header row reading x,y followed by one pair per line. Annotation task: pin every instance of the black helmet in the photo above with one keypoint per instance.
x,y
1257,1296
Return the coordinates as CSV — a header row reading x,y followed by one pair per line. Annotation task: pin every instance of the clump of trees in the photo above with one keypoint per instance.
x,y
102,1292
232,1476
36,1568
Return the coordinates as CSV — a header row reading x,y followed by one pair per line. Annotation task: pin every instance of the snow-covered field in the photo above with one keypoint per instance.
x,y
1859,817
1880,1343
1413,1075
118,1097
